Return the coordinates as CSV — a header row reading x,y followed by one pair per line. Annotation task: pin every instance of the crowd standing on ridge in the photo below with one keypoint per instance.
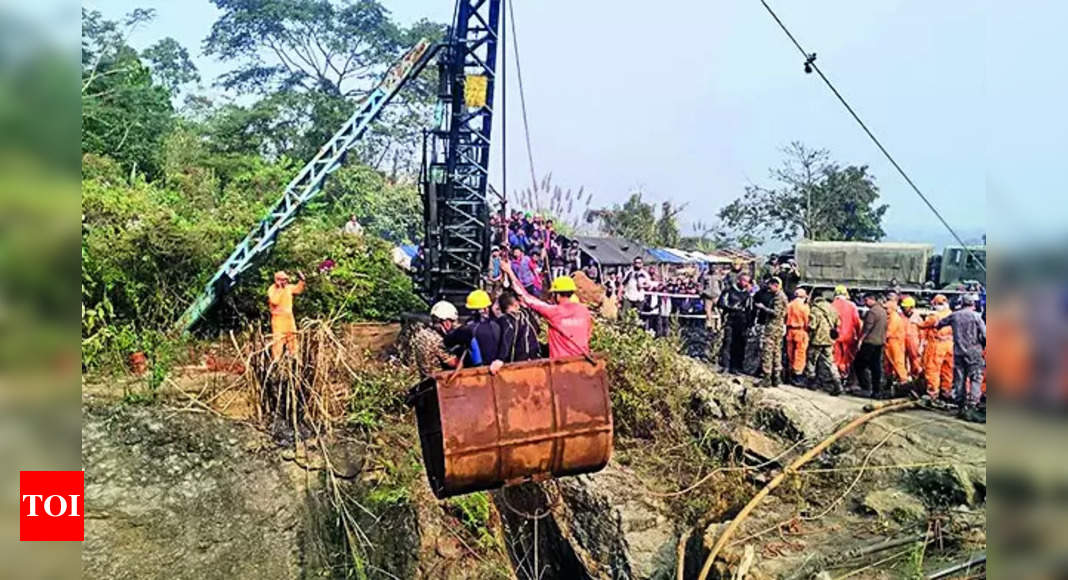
x,y
873,344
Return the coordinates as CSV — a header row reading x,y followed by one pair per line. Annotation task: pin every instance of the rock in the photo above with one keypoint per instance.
x,y
948,486
602,526
758,446
895,504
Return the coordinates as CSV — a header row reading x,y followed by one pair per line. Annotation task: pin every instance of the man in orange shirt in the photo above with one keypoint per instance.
x,y
938,354
913,348
845,346
797,313
283,325
894,352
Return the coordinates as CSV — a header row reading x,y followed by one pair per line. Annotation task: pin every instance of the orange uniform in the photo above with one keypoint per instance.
x,y
797,313
283,325
894,351
938,355
913,344
845,346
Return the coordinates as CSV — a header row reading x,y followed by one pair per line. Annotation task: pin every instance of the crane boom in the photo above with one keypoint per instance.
x,y
308,183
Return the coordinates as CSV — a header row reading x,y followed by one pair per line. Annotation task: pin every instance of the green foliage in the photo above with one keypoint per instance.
x,y
815,198
170,64
638,221
313,59
378,392
392,211
649,384
473,510
125,114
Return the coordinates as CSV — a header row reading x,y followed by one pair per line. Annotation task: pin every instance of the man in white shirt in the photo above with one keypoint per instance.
x,y
635,282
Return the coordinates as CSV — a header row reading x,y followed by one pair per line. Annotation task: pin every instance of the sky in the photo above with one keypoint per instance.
x,y
693,102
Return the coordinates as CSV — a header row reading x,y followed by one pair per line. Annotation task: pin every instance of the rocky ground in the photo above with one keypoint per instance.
x,y
180,489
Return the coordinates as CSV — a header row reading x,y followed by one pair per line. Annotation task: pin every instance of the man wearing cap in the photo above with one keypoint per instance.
x,y
774,330
912,335
797,314
428,342
820,369
845,346
283,324
570,323
894,352
969,340
938,352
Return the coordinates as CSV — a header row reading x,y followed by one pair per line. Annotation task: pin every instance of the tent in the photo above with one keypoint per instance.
x,y
613,251
669,256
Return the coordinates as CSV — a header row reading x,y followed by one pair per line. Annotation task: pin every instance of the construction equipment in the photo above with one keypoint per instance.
x,y
308,183
532,421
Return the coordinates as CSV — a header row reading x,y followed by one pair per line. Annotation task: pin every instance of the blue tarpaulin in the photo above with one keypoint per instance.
x,y
666,257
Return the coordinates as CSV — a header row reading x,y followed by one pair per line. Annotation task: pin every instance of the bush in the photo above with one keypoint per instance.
x,y
646,375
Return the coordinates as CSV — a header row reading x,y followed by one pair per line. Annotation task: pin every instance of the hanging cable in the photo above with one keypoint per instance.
x,y
810,65
522,97
504,112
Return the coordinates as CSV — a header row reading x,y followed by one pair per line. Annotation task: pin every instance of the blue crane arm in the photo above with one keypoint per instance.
x,y
308,183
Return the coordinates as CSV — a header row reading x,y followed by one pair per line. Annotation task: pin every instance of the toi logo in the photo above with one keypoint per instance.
x,y
51,506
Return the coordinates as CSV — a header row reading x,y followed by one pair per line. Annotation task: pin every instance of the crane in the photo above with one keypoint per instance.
x,y
455,170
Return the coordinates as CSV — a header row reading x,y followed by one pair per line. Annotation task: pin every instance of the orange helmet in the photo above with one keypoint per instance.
x,y
940,299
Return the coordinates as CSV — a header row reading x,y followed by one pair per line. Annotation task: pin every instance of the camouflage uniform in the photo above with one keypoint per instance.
x,y
754,347
428,352
821,368
774,332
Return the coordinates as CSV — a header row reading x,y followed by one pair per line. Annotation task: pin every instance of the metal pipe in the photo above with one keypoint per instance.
x,y
976,561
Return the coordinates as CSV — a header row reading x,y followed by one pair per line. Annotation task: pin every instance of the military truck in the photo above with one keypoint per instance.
x,y
863,265
956,266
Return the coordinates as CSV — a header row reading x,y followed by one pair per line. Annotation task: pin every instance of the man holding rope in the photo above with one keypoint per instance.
x,y
570,323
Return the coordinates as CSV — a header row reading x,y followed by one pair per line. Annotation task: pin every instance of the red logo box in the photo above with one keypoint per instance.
x,y
51,506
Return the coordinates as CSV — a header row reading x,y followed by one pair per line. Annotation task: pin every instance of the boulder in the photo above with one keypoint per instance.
x,y
895,504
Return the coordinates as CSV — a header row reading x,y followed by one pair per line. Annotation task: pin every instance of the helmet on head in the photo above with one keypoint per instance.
x,y
940,299
563,284
478,299
908,302
840,290
444,311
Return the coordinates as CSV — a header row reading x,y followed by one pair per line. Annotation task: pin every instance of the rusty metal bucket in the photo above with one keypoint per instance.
x,y
532,421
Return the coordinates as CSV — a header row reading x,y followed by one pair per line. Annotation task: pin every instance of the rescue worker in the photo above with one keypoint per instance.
x,y
754,345
845,346
283,325
869,360
969,339
821,370
481,336
774,330
913,346
737,302
519,332
938,354
894,350
797,314
428,342
570,323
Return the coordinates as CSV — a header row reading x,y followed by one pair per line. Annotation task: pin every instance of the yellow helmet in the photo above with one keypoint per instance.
x,y
908,302
563,284
478,299
840,290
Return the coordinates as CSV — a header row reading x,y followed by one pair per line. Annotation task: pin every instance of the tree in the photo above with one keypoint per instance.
x,y
126,110
814,198
667,225
315,59
634,220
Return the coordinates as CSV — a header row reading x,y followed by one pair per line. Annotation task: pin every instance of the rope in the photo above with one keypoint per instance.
x,y
522,96
810,61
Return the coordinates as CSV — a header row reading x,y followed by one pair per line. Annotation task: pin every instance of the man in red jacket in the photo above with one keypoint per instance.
x,y
845,346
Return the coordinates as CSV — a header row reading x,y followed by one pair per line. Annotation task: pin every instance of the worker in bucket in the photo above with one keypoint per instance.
x,y
283,325
428,342
570,323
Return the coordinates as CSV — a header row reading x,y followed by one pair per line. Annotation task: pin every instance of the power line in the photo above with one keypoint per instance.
x,y
810,64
